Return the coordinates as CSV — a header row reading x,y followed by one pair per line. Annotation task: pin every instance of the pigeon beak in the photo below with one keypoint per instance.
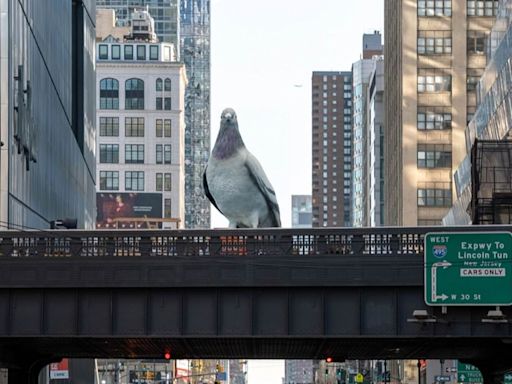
x,y
228,116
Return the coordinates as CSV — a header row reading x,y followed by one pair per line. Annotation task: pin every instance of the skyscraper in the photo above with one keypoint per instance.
x,y
375,159
332,148
361,71
195,48
189,28
435,54
47,113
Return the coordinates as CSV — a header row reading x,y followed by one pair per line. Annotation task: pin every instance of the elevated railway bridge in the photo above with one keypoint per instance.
x,y
268,293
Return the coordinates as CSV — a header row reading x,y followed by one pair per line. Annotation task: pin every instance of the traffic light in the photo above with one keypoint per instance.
x,y
328,359
167,355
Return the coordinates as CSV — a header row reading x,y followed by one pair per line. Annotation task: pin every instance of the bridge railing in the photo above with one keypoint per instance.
x,y
222,242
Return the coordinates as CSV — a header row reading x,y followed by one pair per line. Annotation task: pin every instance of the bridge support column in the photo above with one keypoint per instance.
x,y
491,377
26,372
492,372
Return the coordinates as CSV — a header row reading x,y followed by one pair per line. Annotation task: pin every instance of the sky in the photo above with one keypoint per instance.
x,y
263,54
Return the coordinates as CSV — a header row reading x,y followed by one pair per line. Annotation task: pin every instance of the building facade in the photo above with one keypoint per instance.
x,y
361,71
435,54
195,49
140,120
302,212
375,153
299,372
491,121
47,113
164,12
187,25
332,148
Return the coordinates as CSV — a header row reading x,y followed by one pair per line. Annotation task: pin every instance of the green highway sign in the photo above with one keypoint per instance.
x,y
470,268
467,373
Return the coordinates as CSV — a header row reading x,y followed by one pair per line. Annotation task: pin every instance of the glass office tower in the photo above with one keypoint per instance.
x,y
195,50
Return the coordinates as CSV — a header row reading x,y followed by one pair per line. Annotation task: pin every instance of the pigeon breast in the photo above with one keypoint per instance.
x,y
235,192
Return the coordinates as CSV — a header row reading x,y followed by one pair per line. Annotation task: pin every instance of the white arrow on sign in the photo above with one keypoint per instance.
x,y
462,377
440,264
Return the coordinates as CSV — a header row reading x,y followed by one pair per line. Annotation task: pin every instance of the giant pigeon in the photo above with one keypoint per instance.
x,y
235,182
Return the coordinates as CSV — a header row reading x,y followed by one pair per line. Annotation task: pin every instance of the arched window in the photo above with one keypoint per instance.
x,y
134,94
109,93
167,84
159,84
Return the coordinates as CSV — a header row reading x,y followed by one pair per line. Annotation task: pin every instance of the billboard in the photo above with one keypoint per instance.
x,y
127,210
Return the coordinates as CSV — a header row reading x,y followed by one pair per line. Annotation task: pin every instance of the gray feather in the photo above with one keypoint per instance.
x,y
235,182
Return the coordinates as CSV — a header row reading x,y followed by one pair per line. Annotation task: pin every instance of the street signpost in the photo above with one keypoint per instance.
x,y
442,379
468,268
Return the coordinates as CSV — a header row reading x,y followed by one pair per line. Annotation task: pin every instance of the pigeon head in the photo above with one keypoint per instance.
x,y
228,140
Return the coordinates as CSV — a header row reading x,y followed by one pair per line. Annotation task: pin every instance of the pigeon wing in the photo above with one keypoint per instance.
x,y
260,179
207,191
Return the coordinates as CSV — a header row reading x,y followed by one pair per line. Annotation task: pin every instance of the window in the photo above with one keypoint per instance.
x,y
109,180
109,153
167,154
141,52
116,52
109,126
434,42
434,7
109,93
163,127
434,80
134,94
103,52
134,181
167,208
476,42
159,84
167,84
167,127
472,82
159,182
434,156
158,128
434,118
163,181
134,127
134,153
167,53
482,8
128,52
167,182
434,194
167,103
159,154
153,52
158,104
